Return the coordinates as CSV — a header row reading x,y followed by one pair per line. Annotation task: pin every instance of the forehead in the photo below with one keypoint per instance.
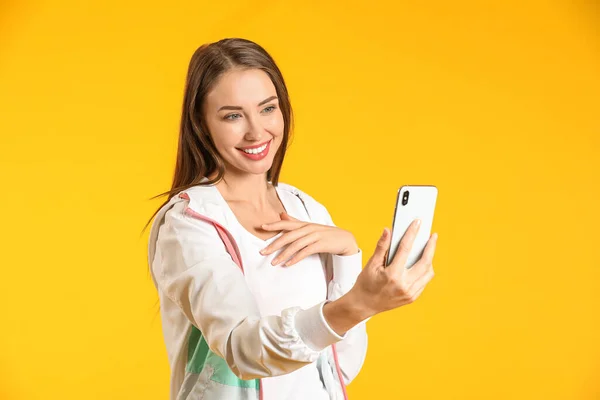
x,y
240,88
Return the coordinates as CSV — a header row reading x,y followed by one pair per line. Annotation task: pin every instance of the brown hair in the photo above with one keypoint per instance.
x,y
197,156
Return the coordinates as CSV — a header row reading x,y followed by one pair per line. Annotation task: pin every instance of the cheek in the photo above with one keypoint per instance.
x,y
275,123
226,135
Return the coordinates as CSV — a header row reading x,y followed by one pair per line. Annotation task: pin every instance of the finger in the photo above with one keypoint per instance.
x,y
305,252
289,237
419,284
429,250
293,248
283,225
381,249
426,258
296,246
418,293
399,260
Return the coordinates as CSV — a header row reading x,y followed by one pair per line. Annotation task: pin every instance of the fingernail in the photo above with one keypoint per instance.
x,y
418,222
435,236
274,262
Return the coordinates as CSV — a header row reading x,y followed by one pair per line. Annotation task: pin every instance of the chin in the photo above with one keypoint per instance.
x,y
261,169
251,167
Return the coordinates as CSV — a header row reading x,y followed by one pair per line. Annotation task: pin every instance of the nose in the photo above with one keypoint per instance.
x,y
255,129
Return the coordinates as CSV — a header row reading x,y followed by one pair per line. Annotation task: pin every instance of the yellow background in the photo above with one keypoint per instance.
x,y
495,103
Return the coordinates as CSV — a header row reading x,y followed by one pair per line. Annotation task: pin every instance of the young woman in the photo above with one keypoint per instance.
x,y
261,295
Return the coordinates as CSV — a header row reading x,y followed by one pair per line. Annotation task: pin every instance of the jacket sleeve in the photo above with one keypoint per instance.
x,y
192,267
352,350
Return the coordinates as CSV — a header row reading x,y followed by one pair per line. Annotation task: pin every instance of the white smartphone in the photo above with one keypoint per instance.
x,y
414,201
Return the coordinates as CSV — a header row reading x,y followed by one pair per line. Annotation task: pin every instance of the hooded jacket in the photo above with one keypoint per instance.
x,y
219,346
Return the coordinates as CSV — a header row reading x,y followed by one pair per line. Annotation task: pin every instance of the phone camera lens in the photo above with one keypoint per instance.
x,y
405,198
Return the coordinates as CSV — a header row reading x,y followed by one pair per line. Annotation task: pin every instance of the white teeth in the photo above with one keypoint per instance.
x,y
257,150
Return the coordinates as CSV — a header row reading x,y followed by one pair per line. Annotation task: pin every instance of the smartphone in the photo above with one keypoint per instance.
x,y
414,201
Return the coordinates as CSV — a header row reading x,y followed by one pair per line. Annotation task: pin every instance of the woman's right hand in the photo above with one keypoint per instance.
x,y
379,288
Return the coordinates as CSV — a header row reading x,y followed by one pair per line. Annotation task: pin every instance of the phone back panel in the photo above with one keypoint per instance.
x,y
421,204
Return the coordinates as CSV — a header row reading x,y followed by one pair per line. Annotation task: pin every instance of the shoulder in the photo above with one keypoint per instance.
x,y
187,234
202,197
188,212
200,200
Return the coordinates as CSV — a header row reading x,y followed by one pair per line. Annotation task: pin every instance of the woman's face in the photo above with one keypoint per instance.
x,y
242,113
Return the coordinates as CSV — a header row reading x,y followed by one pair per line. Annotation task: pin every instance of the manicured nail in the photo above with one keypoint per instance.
x,y
274,262
418,222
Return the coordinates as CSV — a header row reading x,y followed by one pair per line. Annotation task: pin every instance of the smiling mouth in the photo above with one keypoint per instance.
x,y
255,150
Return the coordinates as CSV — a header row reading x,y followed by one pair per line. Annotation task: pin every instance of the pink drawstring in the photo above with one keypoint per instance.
x,y
339,371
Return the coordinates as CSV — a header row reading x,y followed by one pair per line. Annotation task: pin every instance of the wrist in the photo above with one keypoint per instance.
x,y
357,306
345,313
350,249
350,252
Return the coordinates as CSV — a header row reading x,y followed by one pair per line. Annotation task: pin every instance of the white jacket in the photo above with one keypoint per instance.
x,y
218,344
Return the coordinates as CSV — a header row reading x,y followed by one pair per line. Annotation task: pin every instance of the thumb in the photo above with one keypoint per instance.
x,y
383,245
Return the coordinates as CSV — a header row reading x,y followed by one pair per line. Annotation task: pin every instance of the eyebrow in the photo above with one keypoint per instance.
x,y
239,108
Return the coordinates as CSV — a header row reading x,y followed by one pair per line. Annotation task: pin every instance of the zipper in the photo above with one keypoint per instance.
x,y
234,251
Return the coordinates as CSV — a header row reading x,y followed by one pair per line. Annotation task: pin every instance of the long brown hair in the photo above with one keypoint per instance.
x,y
197,156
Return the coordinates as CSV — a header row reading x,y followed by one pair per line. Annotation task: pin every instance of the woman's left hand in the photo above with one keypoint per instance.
x,y
306,238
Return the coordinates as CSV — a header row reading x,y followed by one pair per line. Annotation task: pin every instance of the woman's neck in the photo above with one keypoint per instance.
x,y
253,190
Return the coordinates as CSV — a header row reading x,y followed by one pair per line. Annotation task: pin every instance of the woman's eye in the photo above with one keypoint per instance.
x,y
267,109
231,115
